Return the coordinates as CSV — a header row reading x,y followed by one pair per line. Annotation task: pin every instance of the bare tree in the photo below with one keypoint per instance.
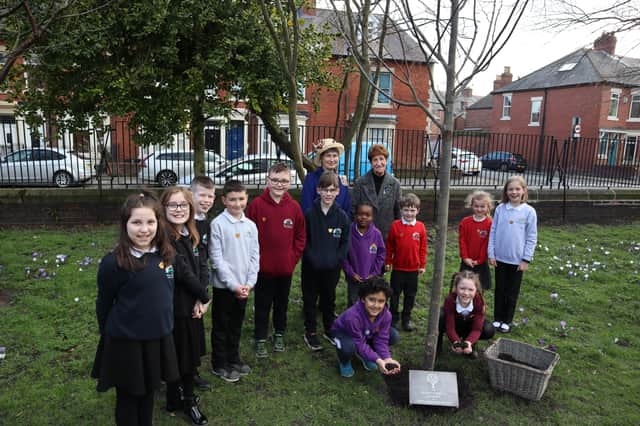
x,y
353,24
616,16
461,38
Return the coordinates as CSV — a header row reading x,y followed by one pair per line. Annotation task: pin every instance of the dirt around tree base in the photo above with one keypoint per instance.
x,y
398,388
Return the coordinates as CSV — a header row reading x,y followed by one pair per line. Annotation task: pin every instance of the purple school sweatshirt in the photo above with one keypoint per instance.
x,y
370,338
366,252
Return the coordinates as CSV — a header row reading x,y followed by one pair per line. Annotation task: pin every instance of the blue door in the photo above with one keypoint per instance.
x,y
235,142
613,152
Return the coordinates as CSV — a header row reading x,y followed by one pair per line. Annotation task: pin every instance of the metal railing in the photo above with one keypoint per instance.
x,y
110,158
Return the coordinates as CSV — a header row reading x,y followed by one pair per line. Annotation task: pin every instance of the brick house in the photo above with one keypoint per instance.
x,y
590,97
402,55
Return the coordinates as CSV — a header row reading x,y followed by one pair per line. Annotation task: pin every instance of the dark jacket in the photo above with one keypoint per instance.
x,y
327,236
191,277
385,204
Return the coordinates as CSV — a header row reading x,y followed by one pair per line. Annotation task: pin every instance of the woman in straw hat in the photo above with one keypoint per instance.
x,y
327,157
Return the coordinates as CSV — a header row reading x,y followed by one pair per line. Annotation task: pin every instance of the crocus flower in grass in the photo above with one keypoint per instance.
x,y
563,324
552,348
541,341
3,352
554,296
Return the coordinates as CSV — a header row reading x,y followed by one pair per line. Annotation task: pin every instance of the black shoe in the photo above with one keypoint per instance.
x,y
201,383
192,411
312,342
408,326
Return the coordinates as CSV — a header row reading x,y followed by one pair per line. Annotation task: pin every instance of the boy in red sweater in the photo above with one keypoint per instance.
x,y
282,237
407,252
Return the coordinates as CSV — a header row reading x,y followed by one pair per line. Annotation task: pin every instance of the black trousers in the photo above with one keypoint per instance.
x,y
508,280
318,283
132,410
483,272
228,314
403,282
271,291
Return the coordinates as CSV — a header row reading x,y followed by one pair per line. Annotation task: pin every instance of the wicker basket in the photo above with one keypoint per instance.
x,y
522,380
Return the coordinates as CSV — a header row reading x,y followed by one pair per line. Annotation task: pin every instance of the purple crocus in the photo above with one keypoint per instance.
x,y
563,324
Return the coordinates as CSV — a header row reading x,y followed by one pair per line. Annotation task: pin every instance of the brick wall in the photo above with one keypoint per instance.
x,y
78,207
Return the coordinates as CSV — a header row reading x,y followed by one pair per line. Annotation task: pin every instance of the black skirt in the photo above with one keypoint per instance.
x,y
136,366
188,338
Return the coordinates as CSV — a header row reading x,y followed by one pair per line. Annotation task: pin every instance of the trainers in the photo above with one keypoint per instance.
x,y
504,328
227,375
368,365
240,367
201,383
329,338
278,342
408,325
346,370
497,324
312,342
261,348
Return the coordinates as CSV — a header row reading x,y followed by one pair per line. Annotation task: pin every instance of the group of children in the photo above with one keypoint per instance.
x,y
152,289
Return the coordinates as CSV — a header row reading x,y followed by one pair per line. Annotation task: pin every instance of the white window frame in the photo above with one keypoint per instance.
x,y
382,93
632,101
630,144
302,89
614,99
506,109
536,100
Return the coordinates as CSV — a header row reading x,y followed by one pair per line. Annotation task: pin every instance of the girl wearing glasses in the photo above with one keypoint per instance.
x,y
190,298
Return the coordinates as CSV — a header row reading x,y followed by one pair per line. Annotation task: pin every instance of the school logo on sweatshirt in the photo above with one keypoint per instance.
x,y
416,236
373,248
335,232
196,252
287,223
169,271
483,233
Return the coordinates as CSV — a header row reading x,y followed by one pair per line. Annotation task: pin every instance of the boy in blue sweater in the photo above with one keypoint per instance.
x,y
327,228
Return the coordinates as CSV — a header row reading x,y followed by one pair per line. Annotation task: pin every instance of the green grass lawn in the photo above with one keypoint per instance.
x,y
49,330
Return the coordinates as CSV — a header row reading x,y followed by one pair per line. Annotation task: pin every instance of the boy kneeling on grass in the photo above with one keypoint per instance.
x,y
364,330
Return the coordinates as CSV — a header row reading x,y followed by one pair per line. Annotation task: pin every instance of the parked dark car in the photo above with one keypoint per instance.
x,y
502,160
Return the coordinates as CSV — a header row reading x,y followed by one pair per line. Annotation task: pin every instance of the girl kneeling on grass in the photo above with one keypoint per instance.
x,y
463,314
364,330
134,308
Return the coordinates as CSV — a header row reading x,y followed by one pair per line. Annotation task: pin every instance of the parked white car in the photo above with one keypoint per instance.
x,y
250,170
466,161
48,166
170,167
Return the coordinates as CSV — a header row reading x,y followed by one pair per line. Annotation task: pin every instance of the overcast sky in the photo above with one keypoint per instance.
x,y
531,49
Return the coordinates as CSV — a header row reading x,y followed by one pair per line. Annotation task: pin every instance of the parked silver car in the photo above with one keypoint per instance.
x,y
170,167
43,166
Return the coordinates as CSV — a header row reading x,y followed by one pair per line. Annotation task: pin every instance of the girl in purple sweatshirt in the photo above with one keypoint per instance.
x,y
364,330
366,255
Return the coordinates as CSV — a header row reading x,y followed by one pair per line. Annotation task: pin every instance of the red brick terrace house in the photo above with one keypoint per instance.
x,y
478,114
387,121
590,97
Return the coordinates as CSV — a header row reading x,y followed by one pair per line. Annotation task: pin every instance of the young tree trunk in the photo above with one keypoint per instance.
x,y
443,203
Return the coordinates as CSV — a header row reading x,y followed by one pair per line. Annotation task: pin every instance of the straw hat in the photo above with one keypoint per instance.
x,y
323,145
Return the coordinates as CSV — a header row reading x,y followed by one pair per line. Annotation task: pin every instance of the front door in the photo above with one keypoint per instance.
x,y
235,141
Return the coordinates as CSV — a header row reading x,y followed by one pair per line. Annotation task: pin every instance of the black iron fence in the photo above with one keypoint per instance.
x,y
110,158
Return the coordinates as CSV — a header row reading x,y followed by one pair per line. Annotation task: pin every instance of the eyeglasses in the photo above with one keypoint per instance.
x,y
279,182
177,206
328,190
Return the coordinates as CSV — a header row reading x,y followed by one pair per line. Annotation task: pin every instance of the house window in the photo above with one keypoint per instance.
x,y
506,106
536,104
614,102
634,109
302,95
384,84
629,154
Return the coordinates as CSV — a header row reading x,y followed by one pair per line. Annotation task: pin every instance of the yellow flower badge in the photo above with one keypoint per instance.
x,y
161,265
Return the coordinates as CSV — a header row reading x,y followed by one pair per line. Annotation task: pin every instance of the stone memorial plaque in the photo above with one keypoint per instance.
x,y
433,388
